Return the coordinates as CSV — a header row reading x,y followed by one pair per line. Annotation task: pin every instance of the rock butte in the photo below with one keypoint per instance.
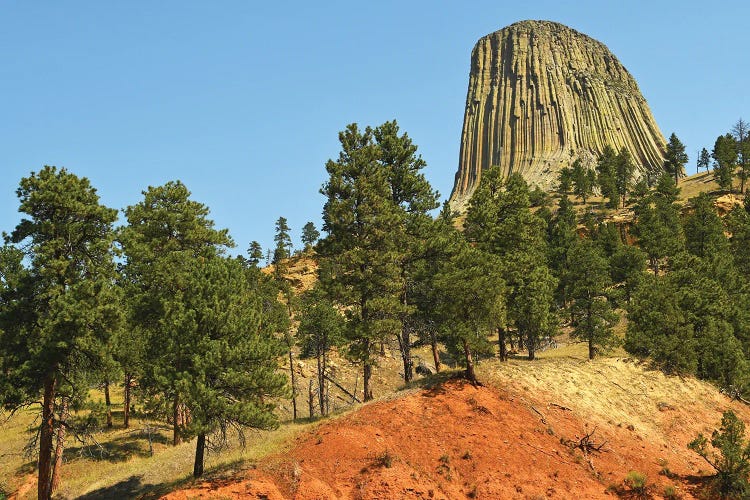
x,y
541,95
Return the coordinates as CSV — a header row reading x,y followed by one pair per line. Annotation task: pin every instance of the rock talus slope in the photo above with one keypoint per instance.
x,y
541,95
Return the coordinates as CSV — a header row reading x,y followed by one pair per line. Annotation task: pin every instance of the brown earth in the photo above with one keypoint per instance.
x,y
455,440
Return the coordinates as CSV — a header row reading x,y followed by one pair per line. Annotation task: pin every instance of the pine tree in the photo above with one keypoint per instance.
x,y
741,133
230,374
564,181
704,160
283,248
168,236
254,253
725,161
583,180
624,169
360,256
320,329
309,235
675,158
58,313
658,225
606,168
413,198
589,281
562,235
470,303
628,267
704,231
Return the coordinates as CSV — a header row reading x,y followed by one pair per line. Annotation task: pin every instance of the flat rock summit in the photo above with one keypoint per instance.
x,y
541,95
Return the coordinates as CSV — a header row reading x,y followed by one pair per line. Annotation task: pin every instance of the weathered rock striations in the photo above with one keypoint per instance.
x,y
541,95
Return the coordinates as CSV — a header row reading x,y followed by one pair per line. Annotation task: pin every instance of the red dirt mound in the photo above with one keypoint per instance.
x,y
456,441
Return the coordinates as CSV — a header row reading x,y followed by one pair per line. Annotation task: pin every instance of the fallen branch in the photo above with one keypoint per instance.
x,y
546,453
544,419
586,444
559,406
344,390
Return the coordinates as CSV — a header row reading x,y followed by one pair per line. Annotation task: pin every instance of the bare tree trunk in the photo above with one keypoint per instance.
x,y
126,404
366,382
108,403
59,446
200,447
294,384
45,439
311,400
176,438
470,374
322,382
435,351
501,344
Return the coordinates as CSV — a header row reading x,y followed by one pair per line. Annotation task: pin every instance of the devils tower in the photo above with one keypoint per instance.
x,y
541,95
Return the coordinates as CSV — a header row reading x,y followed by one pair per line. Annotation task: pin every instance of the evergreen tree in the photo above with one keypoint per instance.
x,y
310,235
624,169
562,235
738,222
499,221
254,253
741,133
57,313
704,231
675,158
658,225
168,236
320,329
725,161
413,198
606,168
230,374
360,256
470,302
283,248
564,181
704,160
583,180
628,267
589,281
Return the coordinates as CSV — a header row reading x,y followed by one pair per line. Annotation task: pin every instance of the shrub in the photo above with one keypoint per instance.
x,y
732,462
671,493
385,459
636,481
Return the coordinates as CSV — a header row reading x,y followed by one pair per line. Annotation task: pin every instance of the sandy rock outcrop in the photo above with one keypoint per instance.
x,y
541,95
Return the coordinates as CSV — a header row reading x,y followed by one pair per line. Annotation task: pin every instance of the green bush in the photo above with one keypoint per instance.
x,y
636,481
732,462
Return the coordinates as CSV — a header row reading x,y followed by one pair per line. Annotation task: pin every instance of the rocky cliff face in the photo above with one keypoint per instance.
x,y
541,95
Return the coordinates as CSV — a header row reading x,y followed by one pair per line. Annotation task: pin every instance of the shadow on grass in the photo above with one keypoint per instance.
x,y
119,449
129,488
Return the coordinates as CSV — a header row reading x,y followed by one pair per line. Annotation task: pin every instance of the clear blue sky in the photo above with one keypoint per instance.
x,y
243,100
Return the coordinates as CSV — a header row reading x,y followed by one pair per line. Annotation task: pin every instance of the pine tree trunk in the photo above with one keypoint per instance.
x,y
322,382
435,351
59,446
592,349
108,403
405,344
310,400
294,384
531,345
45,439
176,438
470,374
501,344
126,404
200,447
366,382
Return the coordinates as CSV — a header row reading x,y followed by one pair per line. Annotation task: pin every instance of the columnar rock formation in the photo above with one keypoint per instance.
x,y
541,95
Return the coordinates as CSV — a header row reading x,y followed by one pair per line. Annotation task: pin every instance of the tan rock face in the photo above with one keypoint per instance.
x,y
541,95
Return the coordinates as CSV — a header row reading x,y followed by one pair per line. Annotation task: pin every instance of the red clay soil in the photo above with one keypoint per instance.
x,y
461,441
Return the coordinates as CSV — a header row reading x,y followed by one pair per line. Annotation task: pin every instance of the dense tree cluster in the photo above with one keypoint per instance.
x,y
202,340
